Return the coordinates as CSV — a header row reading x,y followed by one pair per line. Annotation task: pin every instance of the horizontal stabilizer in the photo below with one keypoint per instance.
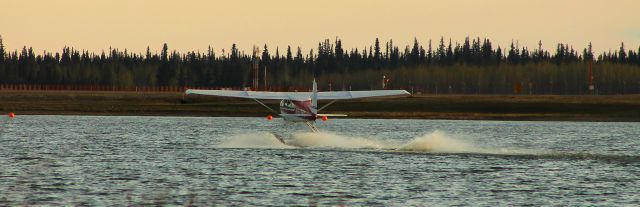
x,y
332,115
295,115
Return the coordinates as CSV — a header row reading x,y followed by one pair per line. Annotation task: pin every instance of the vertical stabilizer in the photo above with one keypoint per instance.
x,y
314,98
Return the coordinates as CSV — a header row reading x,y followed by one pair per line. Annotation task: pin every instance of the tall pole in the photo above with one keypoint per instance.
x,y
265,78
591,87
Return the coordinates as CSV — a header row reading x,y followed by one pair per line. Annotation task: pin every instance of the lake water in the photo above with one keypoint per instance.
x,y
94,160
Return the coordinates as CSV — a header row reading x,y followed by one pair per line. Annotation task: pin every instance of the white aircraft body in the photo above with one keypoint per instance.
x,y
301,106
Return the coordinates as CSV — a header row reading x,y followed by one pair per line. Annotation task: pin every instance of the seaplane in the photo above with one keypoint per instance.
x,y
301,106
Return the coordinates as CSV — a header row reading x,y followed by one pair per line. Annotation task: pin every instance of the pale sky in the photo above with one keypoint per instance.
x,y
191,25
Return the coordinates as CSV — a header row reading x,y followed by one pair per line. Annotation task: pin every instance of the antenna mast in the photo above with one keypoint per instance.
x,y
265,78
591,86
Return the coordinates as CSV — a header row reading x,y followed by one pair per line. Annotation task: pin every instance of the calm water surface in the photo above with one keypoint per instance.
x,y
93,160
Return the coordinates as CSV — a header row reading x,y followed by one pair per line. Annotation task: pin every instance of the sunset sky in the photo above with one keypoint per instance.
x,y
194,24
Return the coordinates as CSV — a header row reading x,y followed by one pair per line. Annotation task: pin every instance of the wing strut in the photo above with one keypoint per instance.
x,y
270,109
326,105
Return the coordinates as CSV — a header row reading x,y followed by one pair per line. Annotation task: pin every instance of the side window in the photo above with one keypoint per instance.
x,y
286,103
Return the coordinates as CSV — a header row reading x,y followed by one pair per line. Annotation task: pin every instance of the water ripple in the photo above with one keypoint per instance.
x,y
118,161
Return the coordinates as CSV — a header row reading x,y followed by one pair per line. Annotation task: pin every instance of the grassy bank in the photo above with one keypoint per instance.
x,y
476,107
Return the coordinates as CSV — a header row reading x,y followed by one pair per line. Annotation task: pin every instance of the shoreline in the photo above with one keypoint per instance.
x,y
611,108
435,117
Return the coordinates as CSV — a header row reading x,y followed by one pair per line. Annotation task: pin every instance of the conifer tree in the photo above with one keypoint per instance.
x,y
513,55
441,51
429,54
2,52
466,50
449,58
299,58
163,69
415,52
622,55
148,54
289,55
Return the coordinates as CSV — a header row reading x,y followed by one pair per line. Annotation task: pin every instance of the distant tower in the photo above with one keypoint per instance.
x,y
591,86
256,68
265,78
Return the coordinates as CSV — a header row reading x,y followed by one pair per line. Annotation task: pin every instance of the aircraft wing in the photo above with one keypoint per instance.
x,y
331,95
249,94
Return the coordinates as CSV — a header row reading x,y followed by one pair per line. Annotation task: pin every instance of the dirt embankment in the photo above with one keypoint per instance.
x,y
476,107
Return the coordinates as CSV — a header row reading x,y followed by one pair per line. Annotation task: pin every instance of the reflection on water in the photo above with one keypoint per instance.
x,y
83,160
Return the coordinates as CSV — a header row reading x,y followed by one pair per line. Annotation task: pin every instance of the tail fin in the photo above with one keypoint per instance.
x,y
314,98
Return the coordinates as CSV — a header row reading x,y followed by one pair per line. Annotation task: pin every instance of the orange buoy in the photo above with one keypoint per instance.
x,y
324,118
12,115
269,117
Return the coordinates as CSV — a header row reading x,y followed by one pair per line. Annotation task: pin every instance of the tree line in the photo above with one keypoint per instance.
x,y
474,66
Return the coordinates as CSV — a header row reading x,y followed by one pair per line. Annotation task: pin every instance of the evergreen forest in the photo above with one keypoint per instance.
x,y
472,66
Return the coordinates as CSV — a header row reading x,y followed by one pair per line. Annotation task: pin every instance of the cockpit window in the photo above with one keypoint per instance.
x,y
286,103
